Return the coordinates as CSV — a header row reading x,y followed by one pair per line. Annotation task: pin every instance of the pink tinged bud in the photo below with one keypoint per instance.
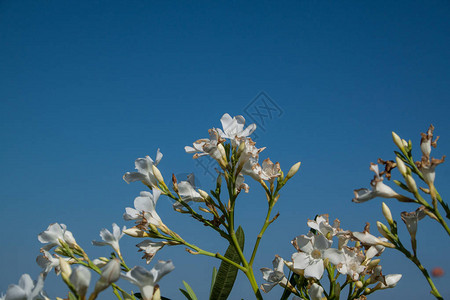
x,y
387,213
397,141
293,170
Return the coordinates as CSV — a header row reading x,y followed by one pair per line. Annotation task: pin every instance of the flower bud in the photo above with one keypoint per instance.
x,y
175,184
401,166
398,141
222,151
241,149
66,270
373,263
158,175
204,194
383,230
80,278
387,213
293,170
110,274
359,284
411,183
136,232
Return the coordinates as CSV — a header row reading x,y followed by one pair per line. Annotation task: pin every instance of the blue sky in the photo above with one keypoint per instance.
x,y
88,87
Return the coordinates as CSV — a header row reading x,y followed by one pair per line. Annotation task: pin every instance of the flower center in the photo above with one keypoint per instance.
x,y
316,254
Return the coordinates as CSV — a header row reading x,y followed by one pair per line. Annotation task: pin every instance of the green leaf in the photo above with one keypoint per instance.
x,y
226,276
72,296
188,293
213,280
127,296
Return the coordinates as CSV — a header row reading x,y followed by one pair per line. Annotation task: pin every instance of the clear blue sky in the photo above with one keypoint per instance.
x,y
87,87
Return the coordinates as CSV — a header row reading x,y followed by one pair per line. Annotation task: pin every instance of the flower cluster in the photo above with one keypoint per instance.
x,y
354,257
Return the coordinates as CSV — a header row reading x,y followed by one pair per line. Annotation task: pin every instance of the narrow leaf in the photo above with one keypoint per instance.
x,y
190,291
213,280
226,276
186,294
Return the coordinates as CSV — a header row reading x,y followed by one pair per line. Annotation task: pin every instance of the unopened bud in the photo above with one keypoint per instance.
x,y
398,141
373,263
110,274
66,270
401,166
410,182
359,284
383,229
222,151
175,184
157,174
367,291
136,232
157,293
241,148
80,278
387,213
293,170
204,194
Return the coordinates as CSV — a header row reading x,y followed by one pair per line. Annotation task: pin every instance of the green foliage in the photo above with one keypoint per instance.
x,y
188,293
226,276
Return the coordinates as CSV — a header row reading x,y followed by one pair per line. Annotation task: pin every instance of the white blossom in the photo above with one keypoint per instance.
x,y
275,276
146,280
233,128
111,239
54,235
145,208
27,289
150,248
144,167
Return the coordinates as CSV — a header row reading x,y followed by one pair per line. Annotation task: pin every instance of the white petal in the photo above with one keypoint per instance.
x,y
315,269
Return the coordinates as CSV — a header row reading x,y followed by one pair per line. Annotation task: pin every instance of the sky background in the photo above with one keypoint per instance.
x,y
87,87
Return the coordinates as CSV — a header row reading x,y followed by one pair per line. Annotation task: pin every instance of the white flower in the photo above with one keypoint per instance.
x,y
379,189
321,225
315,292
80,278
111,239
427,141
275,276
150,248
212,147
54,235
391,281
26,289
48,262
268,171
314,249
352,264
233,128
187,192
145,171
428,168
144,210
146,280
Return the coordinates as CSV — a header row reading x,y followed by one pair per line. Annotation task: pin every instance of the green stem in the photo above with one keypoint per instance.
x,y
424,271
259,237
434,210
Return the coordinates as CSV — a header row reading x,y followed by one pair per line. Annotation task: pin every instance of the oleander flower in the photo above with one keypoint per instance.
x,y
268,171
145,209
411,220
146,280
144,167
150,248
428,168
313,250
322,226
111,239
27,289
54,235
110,274
379,189
315,292
352,264
212,147
48,262
275,276
187,192
426,142
233,128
